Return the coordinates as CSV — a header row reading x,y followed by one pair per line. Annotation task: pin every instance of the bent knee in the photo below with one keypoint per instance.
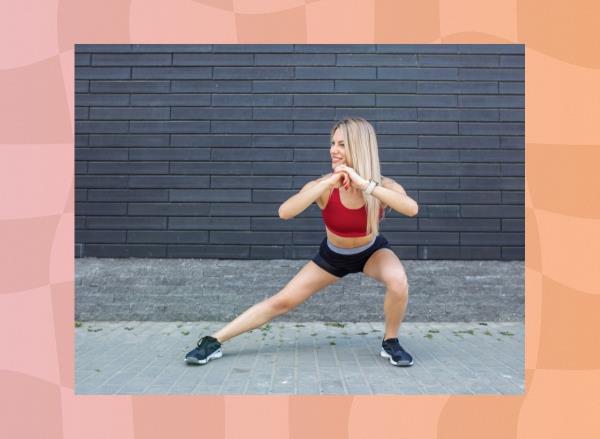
x,y
279,305
398,286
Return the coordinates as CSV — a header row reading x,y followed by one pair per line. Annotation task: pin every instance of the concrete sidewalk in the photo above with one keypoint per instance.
x,y
300,358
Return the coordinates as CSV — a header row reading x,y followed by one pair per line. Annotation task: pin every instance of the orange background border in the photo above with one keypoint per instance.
x,y
562,205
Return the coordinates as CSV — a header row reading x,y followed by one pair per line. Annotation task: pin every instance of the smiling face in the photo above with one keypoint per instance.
x,y
338,149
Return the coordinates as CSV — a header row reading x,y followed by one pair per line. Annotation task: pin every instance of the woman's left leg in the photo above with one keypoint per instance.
x,y
383,265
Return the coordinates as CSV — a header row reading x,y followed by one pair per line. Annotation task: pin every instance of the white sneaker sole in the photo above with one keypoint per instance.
x,y
384,354
216,354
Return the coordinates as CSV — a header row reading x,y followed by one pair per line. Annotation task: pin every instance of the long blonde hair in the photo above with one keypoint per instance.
x,y
361,146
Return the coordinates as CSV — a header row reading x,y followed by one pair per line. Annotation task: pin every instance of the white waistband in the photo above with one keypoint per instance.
x,y
350,251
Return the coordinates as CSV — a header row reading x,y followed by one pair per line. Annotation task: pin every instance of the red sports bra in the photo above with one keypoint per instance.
x,y
344,221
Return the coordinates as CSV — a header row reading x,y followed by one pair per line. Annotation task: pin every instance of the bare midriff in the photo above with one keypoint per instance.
x,y
346,241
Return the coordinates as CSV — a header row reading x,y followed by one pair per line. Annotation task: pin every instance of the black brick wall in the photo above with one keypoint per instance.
x,y
188,150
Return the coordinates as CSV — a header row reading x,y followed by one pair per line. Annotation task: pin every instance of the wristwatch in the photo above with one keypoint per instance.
x,y
370,187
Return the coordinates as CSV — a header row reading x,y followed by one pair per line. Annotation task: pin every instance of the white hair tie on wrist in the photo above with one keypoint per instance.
x,y
369,189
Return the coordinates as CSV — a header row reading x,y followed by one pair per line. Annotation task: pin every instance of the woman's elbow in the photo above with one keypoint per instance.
x,y
415,209
282,214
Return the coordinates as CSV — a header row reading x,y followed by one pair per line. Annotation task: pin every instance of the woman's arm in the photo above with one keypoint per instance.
x,y
393,195
310,192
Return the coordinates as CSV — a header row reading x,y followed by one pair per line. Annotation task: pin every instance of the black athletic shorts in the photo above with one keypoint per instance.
x,y
342,264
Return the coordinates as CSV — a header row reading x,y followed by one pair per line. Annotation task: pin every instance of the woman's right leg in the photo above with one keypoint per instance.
x,y
310,279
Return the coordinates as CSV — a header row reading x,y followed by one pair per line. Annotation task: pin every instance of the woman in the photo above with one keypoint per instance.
x,y
352,199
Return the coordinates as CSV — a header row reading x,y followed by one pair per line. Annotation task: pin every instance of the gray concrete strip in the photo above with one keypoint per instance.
x,y
219,290
300,358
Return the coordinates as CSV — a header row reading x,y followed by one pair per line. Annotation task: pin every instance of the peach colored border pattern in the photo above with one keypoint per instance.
x,y
562,396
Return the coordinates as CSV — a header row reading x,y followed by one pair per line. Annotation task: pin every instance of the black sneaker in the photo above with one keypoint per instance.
x,y
207,349
391,349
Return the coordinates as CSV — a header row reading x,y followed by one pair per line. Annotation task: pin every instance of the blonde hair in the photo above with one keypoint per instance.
x,y
361,147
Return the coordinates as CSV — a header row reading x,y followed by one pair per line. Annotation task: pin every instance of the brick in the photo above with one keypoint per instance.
x,y
373,86
462,197
376,59
253,73
170,209
314,113
498,211
129,140
171,72
211,59
416,48
513,225
475,169
128,167
507,128
512,61
483,183
250,182
209,195
506,238
447,114
418,127
170,100
124,251
511,87
356,100
462,87
102,73
99,100
131,59
512,115
100,153
492,156
210,113
95,208
418,73
233,237
123,222
170,126
459,224
114,182
493,101
168,181
82,113
211,86
167,237
390,100
134,195
518,49
129,86
335,73
251,100
209,223
82,86
251,127
295,86
461,142
99,236
261,48
458,60
101,127
294,59
497,74
116,113
211,168
169,154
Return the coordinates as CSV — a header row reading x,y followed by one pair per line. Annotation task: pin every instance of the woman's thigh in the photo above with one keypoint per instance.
x,y
310,279
383,265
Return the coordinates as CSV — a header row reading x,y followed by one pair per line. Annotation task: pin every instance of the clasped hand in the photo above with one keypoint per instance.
x,y
351,178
